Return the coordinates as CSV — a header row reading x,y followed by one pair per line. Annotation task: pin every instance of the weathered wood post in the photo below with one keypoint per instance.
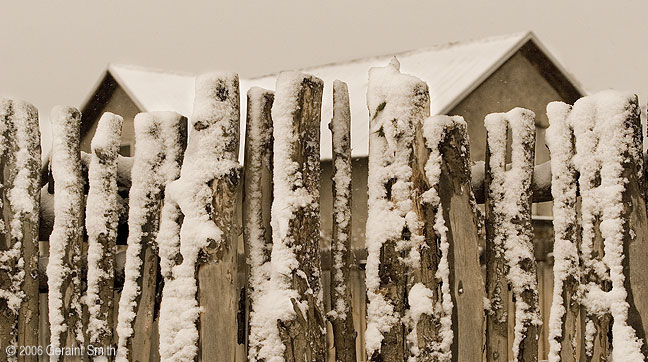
x,y
257,194
197,237
608,158
563,320
161,139
450,270
341,314
101,221
296,114
65,242
635,228
509,234
19,204
595,344
397,104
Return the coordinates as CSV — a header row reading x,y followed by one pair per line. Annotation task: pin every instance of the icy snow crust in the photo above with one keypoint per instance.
x,y
211,153
157,161
510,192
397,105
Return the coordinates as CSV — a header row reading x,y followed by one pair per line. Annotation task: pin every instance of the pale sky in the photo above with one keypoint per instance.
x,y
52,52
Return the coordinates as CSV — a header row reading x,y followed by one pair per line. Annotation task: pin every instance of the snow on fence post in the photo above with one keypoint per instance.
x,y
397,104
608,158
19,205
563,319
295,257
257,194
102,216
197,239
509,241
161,139
341,314
65,242
449,274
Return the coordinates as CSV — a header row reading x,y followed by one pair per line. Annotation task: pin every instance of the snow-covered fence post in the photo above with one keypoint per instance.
x,y
635,227
563,320
341,314
257,193
449,274
397,104
296,115
65,242
197,238
102,216
218,293
608,158
509,241
161,139
19,206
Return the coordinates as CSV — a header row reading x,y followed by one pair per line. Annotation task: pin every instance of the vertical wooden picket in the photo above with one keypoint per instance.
x,y
161,139
397,104
563,320
341,315
509,198
101,220
442,176
295,210
218,292
65,242
257,192
635,227
20,188
497,290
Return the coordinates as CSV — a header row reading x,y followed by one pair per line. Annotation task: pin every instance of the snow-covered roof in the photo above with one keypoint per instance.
x,y
451,71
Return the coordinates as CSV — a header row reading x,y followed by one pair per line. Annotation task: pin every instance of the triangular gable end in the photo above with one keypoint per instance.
x,y
452,72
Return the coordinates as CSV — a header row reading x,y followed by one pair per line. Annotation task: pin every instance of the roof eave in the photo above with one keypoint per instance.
x,y
125,87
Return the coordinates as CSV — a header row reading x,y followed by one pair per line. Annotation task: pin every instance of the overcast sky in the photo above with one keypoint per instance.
x,y
53,52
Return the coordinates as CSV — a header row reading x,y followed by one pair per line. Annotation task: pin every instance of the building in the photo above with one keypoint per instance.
x,y
471,79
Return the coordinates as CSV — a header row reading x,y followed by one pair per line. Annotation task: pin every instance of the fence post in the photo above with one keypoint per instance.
x,y
102,216
341,314
257,196
563,319
20,172
449,256
197,239
595,344
635,232
295,214
65,241
509,236
397,104
161,139
608,157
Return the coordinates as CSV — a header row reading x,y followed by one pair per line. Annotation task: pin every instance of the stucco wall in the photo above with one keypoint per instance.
x,y
121,104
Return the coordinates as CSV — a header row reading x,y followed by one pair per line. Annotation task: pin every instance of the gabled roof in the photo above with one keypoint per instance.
x,y
451,71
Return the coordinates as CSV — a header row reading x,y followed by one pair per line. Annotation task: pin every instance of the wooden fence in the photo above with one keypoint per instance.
x,y
455,266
